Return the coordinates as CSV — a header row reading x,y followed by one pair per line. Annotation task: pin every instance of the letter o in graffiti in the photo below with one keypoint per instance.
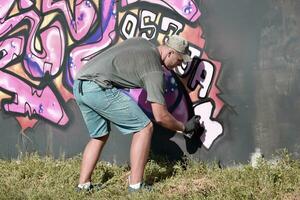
x,y
129,25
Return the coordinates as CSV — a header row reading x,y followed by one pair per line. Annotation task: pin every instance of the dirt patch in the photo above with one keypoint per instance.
x,y
292,196
188,186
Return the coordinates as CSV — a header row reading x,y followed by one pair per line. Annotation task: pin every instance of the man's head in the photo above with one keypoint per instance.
x,y
176,52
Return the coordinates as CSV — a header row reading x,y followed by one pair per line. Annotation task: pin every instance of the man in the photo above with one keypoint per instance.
x,y
134,63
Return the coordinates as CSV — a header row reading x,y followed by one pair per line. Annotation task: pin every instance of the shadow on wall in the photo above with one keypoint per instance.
x,y
164,146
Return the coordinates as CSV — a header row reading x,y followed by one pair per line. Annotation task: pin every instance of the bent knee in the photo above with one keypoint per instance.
x,y
149,127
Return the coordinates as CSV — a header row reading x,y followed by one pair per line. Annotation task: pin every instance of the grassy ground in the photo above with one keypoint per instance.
x,y
34,177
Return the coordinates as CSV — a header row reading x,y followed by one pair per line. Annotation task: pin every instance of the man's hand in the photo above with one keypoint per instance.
x,y
192,126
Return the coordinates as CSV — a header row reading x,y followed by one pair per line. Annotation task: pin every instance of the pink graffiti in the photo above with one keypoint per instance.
x,y
7,24
51,57
5,7
32,101
25,4
206,75
215,91
84,15
52,54
10,49
186,8
91,30
83,53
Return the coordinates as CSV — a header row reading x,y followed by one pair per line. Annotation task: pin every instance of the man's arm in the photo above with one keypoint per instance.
x,y
164,118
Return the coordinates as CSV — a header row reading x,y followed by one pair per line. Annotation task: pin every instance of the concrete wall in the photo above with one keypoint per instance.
x,y
244,85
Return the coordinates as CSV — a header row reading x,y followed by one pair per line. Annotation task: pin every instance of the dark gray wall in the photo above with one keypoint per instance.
x,y
259,46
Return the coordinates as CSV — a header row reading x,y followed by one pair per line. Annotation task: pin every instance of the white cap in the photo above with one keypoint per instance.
x,y
180,45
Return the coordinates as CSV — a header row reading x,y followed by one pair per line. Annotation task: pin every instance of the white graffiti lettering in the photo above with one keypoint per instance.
x,y
203,76
148,28
212,128
129,27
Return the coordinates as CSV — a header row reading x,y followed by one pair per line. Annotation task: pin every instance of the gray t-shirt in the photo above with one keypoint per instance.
x,y
134,63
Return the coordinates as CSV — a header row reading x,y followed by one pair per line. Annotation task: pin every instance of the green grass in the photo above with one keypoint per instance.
x,y
35,177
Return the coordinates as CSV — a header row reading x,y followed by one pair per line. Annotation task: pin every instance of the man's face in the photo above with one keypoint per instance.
x,y
173,59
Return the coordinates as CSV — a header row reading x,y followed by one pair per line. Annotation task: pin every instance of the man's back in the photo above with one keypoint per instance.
x,y
123,65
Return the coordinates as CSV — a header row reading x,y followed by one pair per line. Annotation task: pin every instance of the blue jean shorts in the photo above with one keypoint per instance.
x,y
100,106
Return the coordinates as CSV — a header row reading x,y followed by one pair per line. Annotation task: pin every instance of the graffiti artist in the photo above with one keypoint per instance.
x,y
134,63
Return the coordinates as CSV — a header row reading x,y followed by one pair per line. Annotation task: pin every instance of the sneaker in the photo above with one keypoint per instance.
x,y
90,188
143,187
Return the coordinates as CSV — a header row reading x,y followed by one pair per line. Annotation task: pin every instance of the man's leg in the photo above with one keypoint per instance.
x,y
90,157
139,152
91,100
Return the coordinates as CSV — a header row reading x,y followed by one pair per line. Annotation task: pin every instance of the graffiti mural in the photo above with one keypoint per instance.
x,y
44,43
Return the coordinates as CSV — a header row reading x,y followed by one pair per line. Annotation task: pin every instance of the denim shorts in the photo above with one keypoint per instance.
x,y
100,106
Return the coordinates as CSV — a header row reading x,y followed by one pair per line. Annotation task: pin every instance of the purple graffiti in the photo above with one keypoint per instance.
x,y
174,97
186,8
97,42
81,22
31,101
10,49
